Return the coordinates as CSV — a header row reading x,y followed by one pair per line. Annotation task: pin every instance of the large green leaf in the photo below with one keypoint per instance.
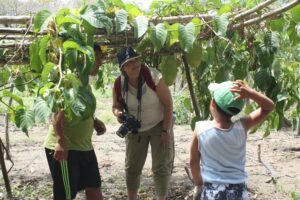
x,y
277,24
158,35
224,9
173,34
121,20
197,23
169,68
16,98
68,19
76,35
77,107
46,71
295,13
140,26
24,119
35,61
43,49
133,10
97,18
4,76
76,83
91,15
41,20
86,97
88,28
220,24
41,110
71,56
187,36
89,51
194,56
20,83
90,59
101,5
262,79
293,35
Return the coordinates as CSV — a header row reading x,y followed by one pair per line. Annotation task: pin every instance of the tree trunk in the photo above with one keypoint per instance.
x,y
190,85
4,171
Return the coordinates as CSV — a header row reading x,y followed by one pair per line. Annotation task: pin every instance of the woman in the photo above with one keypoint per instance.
x,y
70,153
154,111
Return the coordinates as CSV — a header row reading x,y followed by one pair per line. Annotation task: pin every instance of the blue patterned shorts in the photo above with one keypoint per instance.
x,y
216,191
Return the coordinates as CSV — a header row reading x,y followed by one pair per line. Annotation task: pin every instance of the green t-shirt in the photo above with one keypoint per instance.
x,y
78,136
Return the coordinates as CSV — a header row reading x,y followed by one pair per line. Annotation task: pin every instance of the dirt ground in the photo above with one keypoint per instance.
x,y
30,177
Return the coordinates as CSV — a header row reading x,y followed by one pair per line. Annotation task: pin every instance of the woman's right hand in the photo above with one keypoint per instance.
x,y
119,116
60,151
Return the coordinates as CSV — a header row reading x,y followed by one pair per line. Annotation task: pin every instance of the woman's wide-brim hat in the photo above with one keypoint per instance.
x,y
126,54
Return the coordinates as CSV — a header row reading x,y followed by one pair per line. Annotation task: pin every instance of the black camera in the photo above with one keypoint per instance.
x,y
129,124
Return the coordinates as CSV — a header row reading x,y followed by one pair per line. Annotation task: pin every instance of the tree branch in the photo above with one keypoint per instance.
x,y
19,84
253,10
190,85
267,15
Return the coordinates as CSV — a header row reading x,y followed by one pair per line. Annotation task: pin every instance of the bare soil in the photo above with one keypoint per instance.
x,y
279,153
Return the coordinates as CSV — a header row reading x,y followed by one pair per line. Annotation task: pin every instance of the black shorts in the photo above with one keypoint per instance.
x,y
82,169
218,191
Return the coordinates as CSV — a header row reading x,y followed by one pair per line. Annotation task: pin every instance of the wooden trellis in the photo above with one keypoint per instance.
x,y
20,38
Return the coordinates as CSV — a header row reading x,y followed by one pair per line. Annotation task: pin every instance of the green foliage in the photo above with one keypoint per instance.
x,y
186,35
295,196
41,20
158,35
121,20
41,110
194,56
221,22
182,108
24,119
266,57
140,26
169,68
295,13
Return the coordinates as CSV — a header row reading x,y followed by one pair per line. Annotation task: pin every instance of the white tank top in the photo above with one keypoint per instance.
x,y
152,110
223,153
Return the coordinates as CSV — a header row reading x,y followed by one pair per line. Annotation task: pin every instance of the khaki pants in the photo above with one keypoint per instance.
x,y
162,159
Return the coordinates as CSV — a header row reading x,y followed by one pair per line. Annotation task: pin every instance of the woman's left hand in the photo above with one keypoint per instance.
x,y
165,139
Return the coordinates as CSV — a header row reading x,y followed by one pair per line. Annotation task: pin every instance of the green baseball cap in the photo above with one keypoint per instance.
x,y
225,99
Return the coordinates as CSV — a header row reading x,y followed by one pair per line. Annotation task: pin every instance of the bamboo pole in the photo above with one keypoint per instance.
x,y
253,10
267,15
15,19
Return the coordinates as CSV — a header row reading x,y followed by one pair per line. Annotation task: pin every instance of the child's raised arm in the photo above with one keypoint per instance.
x,y
266,104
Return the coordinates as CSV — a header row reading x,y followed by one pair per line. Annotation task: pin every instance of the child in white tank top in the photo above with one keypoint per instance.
x,y
219,146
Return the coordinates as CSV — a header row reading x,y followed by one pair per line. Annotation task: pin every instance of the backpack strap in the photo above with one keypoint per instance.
x,y
147,77
117,88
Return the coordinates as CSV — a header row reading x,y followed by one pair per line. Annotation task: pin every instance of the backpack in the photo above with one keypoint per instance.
x,y
147,77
